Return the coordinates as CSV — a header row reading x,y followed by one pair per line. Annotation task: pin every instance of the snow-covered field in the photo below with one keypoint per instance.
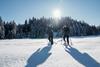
x,y
84,52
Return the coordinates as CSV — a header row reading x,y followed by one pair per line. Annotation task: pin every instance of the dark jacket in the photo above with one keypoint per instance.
x,y
50,31
66,30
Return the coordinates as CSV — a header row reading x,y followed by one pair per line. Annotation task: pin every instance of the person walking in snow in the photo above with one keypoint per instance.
x,y
66,31
50,34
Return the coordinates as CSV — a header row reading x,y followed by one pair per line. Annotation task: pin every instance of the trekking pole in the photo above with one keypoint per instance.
x,y
58,41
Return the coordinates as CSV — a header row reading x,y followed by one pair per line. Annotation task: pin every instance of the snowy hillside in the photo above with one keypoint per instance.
x,y
84,52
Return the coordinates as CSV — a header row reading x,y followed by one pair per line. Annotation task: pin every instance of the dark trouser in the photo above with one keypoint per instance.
x,y
50,38
67,38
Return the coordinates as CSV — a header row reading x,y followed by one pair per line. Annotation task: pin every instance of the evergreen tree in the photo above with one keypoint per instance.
x,y
2,30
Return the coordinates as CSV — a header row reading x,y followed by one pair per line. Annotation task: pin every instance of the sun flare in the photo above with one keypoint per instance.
x,y
56,13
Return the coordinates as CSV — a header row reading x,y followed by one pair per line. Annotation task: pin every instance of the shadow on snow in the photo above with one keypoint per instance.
x,y
83,58
39,57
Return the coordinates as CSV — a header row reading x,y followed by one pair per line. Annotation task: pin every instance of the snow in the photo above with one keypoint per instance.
x,y
83,52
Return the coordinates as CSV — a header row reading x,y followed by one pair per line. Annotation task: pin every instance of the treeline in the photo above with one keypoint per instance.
x,y
36,28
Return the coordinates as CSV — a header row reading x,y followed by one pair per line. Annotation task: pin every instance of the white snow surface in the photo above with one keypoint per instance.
x,y
82,52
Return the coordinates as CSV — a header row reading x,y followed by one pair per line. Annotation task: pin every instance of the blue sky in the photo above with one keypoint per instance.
x,y
19,10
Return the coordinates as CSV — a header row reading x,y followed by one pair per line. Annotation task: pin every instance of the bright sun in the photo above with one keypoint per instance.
x,y
56,13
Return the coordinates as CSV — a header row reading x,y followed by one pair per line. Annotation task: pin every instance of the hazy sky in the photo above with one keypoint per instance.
x,y
19,10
